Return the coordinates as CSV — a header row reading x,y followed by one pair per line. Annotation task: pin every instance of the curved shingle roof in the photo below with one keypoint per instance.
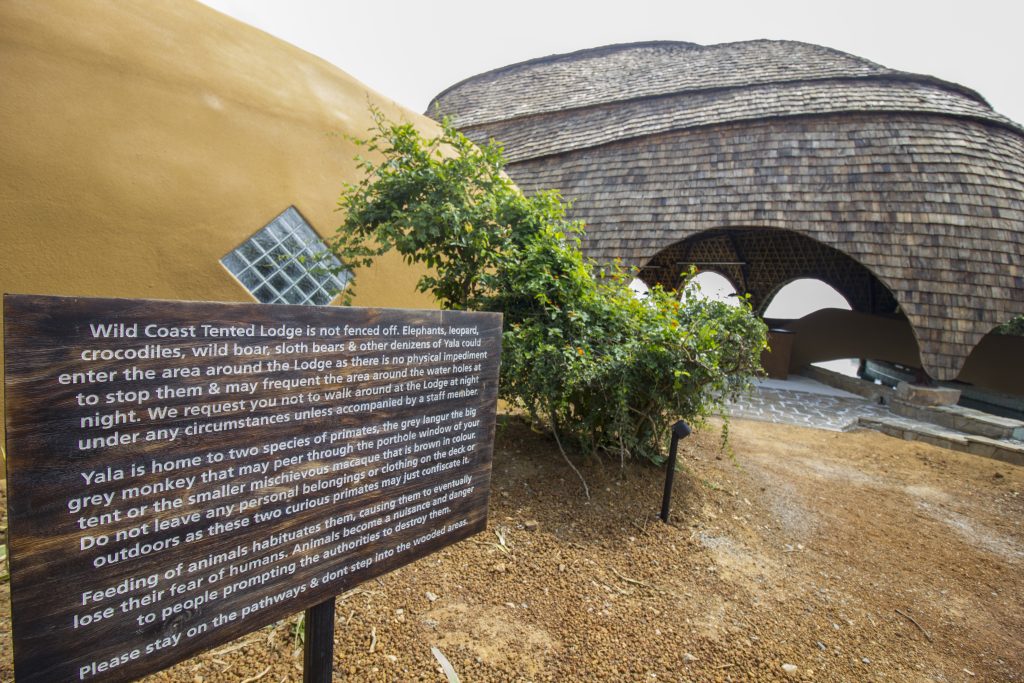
x,y
562,131
617,73
917,179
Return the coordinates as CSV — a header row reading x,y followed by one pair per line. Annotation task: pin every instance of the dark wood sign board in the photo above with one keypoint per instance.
x,y
180,474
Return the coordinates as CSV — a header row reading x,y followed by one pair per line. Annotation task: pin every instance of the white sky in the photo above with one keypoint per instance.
x,y
410,50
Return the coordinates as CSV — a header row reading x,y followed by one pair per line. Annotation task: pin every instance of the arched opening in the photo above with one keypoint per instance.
x,y
835,308
639,287
758,261
803,297
715,286
993,375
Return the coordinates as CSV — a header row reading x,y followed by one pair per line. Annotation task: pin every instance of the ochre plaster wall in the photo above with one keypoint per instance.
x,y
142,141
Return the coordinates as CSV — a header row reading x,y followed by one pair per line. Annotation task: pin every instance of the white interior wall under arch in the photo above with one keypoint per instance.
x,y
715,286
803,297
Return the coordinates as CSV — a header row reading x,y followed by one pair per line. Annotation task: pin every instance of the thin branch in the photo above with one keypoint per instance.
x,y
914,621
554,430
253,679
635,582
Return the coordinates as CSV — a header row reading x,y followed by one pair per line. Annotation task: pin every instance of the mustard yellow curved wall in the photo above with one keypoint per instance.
x,y
142,141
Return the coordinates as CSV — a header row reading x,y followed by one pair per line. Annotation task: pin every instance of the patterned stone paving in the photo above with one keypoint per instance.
x,y
809,404
834,413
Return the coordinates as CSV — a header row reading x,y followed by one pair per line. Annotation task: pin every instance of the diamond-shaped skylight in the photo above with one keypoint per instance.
x,y
286,262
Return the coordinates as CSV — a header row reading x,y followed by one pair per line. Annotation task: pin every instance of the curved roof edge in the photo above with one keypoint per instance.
x,y
893,74
561,56
517,151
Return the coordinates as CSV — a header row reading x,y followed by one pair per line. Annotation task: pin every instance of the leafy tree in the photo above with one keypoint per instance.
x,y
1015,327
582,355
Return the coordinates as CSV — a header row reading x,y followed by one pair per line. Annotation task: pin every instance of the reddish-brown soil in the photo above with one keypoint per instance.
x,y
851,557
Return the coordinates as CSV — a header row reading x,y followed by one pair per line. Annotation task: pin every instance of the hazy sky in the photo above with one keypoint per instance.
x,y
412,50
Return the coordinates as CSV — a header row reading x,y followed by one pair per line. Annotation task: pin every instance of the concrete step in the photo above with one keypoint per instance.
x,y
876,393
961,419
988,400
908,429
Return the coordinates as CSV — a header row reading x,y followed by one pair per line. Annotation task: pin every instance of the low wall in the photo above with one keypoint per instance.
x,y
997,364
832,333
828,334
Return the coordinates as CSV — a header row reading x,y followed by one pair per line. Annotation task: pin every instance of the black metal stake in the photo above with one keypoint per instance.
x,y
318,651
680,430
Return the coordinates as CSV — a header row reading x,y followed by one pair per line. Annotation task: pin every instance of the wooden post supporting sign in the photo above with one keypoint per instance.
x,y
318,650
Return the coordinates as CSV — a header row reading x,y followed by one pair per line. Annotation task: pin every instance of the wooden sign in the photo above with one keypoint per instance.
x,y
180,474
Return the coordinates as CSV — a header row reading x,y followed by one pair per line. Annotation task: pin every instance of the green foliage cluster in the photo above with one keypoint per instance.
x,y
582,355
1014,327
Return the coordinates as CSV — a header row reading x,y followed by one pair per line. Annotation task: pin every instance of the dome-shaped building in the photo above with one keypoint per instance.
x,y
770,161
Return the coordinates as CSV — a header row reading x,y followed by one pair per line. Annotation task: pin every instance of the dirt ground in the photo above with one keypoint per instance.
x,y
851,557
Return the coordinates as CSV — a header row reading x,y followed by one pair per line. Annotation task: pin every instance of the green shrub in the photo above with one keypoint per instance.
x,y
1015,327
582,355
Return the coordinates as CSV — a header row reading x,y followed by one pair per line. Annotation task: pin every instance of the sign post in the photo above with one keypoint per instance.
x,y
180,474
318,649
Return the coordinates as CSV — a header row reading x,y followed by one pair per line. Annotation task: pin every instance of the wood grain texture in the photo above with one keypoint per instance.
x,y
313,499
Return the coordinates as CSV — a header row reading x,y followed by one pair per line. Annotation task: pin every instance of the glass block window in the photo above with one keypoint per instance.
x,y
285,262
